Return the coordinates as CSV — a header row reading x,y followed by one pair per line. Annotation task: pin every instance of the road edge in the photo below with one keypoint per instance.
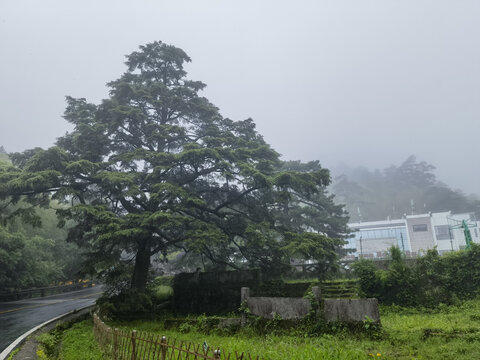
x,y
19,341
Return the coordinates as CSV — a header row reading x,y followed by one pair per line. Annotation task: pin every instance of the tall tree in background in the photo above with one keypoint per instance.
x,y
155,168
408,188
303,215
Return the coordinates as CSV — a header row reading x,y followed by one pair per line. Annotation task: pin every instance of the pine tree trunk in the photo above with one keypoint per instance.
x,y
142,265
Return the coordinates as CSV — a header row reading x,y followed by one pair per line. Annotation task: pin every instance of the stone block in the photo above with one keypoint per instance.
x,y
351,310
286,308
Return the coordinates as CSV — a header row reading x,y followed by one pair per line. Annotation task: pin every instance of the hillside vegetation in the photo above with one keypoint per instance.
x,y
33,249
411,187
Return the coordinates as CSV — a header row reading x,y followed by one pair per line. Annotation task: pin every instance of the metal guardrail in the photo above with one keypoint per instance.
x,y
43,291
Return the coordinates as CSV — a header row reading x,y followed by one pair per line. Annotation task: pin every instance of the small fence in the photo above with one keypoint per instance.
x,y
132,345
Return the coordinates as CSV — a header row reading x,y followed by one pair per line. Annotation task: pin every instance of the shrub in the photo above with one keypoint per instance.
x,y
370,279
129,304
126,305
161,289
431,281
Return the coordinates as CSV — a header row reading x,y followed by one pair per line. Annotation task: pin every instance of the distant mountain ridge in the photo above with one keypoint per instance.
x,y
410,188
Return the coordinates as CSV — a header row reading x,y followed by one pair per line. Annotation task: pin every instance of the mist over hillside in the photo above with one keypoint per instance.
x,y
408,188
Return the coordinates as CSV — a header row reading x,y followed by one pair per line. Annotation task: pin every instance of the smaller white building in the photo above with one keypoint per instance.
x,y
413,234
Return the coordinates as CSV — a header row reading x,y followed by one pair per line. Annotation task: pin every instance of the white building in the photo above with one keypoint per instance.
x,y
413,234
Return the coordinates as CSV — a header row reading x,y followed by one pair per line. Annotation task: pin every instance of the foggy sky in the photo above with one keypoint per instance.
x,y
356,82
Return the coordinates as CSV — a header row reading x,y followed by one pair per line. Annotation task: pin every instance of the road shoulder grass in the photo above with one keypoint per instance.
x,y
78,343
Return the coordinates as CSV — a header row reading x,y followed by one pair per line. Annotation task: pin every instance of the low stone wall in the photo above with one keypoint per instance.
x,y
343,310
286,308
351,310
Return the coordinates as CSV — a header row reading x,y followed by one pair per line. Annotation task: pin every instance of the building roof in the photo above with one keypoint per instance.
x,y
377,224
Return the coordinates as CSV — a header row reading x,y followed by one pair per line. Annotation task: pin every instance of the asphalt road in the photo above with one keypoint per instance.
x,y
17,317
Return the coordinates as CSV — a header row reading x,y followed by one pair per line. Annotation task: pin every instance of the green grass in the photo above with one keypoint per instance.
x,y
78,343
448,332
69,341
301,281
14,352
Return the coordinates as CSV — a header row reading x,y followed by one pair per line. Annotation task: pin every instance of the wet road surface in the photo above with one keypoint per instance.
x,y
17,317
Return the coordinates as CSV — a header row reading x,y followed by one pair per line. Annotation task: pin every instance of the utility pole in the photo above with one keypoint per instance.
x,y
465,226
450,234
361,249
468,235
403,245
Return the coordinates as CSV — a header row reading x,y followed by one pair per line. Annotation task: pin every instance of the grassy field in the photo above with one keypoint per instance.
x,y
444,333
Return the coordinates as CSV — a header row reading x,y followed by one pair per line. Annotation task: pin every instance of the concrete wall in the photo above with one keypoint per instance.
x,y
286,308
351,310
344,310
420,240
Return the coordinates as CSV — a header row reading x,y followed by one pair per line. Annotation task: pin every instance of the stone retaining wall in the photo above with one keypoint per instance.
x,y
286,308
351,310
343,310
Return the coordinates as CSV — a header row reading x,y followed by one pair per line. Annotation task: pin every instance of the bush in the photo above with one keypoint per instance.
x,y
126,305
370,278
129,304
162,280
399,282
161,289
433,279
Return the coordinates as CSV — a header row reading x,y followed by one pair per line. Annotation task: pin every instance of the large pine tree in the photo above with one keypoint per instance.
x,y
155,168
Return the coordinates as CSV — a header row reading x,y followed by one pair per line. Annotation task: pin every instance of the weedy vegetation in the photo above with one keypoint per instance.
x,y
69,341
443,332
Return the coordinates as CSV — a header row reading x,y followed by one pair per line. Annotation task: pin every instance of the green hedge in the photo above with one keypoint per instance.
x,y
432,280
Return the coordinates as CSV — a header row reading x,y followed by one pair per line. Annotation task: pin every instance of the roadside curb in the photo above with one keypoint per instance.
x,y
19,341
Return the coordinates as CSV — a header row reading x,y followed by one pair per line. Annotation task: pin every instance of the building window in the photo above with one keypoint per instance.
x,y
420,227
442,232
